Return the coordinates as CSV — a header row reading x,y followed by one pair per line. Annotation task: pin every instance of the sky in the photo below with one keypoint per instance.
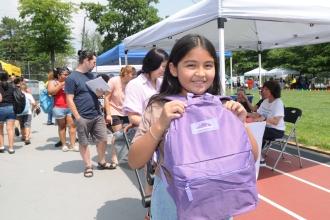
x,y
165,8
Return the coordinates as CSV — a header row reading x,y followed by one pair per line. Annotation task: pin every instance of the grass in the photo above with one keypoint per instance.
x,y
313,129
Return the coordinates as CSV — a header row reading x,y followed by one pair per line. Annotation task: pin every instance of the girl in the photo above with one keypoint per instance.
x,y
114,105
193,68
25,118
61,111
7,114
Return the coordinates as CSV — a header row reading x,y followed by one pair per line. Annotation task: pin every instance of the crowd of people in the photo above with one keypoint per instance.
x,y
136,98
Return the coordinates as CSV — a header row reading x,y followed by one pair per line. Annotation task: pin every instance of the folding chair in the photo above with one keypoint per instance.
x,y
291,116
146,199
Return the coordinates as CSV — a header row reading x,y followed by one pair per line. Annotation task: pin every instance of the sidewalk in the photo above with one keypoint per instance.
x,y
41,182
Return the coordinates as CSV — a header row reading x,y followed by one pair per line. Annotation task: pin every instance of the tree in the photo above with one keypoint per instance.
x,y
12,44
93,42
120,19
47,22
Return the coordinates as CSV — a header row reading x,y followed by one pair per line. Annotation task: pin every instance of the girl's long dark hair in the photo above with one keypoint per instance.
x,y
153,60
171,84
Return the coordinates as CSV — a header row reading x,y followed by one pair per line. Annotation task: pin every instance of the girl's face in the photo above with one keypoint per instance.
x,y
158,72
63,75
195,72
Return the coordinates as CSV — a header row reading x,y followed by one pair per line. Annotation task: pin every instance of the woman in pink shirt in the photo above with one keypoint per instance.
x,y
61,111
114,104
139,90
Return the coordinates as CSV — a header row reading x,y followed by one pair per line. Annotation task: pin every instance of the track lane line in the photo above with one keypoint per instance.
x,y
300,179
278,206
307,159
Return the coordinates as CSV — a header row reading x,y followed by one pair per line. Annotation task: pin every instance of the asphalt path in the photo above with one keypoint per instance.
x,y
41,182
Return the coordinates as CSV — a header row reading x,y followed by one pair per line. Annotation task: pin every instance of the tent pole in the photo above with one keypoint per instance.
x,y
221,27
231,74
259,61
126,62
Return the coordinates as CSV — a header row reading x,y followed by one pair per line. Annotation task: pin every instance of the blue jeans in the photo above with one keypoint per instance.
x,y
50,117
162,204
7,113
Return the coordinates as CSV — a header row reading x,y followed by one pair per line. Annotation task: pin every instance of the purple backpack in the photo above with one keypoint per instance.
x,y
209,157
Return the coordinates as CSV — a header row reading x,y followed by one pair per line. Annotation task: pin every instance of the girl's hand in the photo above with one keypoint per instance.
x,y
171,110
237,109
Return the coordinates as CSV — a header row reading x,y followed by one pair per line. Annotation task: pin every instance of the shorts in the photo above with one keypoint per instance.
x,y
60,113
7,113
94,127
117,120
25,121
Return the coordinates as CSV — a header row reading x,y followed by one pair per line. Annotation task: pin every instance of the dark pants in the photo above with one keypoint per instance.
x,y
271,134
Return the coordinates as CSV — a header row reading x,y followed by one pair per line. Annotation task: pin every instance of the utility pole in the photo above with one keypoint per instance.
x,y
83,34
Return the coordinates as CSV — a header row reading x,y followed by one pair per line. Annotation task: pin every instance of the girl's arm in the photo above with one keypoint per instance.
x,y
134,118
254,144
143,147
53,87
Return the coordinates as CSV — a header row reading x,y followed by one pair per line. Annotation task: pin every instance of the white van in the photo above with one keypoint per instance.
x,y
112,70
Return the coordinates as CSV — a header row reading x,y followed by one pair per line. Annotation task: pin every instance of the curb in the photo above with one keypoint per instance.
x,y
311,148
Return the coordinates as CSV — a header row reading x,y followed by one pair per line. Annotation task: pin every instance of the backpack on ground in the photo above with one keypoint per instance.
x,y
19,101
46,101
208,154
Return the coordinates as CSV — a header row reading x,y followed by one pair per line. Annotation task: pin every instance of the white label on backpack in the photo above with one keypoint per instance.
x,y
204,126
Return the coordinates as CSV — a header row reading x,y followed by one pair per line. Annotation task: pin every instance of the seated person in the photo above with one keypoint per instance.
x,y
271,110
243,99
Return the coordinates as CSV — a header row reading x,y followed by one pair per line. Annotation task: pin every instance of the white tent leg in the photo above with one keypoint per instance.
x,y
231,74
221,22
259,60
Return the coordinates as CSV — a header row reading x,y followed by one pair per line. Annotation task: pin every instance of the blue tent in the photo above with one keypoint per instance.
x,y
116,56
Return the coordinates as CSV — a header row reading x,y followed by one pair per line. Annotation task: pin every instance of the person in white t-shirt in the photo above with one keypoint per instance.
x,y
271,110
25,118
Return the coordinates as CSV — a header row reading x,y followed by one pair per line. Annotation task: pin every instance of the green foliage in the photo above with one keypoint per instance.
x,y
120,19
12,44
311,60
93,42
47,25
314,126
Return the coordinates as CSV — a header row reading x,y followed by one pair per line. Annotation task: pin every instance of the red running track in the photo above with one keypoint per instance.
x,y
291,192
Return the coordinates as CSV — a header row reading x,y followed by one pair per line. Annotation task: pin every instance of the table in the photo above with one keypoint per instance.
x,y
258,129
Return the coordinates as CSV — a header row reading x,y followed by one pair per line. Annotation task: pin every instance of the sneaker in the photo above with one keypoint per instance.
x,y
76,148
16,132
50,123
11,150
27,142
65,148
262,162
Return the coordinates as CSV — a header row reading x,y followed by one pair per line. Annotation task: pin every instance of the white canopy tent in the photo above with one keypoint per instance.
x,y
281,72
256,72
242,25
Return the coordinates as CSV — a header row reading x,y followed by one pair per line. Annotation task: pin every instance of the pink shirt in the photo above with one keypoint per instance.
x,y
138,91
117,97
